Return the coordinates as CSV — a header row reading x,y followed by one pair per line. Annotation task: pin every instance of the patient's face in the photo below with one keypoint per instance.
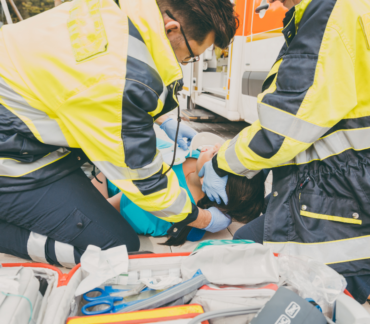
x,y
206,155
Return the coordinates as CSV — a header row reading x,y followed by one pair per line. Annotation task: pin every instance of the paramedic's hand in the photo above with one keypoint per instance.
x,y
213,185
219,220
170,126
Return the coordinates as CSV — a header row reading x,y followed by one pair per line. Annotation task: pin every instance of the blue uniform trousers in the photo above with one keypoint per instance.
x,y
56,223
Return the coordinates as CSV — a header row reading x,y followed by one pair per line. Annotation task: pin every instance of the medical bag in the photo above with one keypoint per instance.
x,y
223,297
59,302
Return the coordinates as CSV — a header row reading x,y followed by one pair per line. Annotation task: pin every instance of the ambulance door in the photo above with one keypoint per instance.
x,y
192,78
211,80
263,43
219,83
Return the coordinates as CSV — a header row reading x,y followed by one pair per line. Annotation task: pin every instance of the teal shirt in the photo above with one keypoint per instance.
x,y
142,221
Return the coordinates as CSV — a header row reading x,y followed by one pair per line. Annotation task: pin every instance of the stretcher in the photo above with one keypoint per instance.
x,y
60,305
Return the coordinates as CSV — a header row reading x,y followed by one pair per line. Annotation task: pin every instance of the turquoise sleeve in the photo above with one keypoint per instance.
x,y
145,223
141,221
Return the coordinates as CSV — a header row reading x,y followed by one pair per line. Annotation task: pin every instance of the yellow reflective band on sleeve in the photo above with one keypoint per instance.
x,y
171,204
138,50
114,172
47,128
288,125
330,252
331,218
176,207
233,160
13,168
334,144
86,29
147,18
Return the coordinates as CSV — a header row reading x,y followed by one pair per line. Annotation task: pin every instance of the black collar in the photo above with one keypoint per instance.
x,y
289,30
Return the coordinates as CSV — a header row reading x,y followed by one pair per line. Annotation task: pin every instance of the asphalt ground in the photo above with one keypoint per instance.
x,y
226,130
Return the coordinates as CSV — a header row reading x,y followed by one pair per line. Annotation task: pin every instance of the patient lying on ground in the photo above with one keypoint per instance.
x,y
246,198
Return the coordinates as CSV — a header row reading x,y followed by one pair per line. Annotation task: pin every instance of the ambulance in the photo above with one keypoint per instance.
x,y
227,82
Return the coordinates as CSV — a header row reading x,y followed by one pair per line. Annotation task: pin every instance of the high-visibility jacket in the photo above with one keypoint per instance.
x,y
314,131
90,77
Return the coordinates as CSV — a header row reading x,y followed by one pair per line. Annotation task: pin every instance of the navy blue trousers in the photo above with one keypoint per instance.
x,y
358,286
57,222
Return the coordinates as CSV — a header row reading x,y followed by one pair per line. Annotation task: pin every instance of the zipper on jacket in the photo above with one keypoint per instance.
x,y
304,183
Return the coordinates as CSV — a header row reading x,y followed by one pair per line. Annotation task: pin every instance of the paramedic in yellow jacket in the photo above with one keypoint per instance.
x,y
314,131
86,81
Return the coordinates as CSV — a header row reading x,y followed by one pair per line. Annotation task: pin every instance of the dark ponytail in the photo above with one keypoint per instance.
x,y
246,198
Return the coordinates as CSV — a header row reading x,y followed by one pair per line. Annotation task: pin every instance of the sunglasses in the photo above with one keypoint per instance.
x,y
192,58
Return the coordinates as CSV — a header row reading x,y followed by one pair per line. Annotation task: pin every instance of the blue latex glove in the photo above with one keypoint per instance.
x,y
170,126
219,221
213,185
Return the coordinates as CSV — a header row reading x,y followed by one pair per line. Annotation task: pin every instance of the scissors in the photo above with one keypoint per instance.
x,y
105,298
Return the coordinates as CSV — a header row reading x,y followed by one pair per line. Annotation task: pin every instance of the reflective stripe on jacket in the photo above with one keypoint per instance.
x,y
92,76
314,122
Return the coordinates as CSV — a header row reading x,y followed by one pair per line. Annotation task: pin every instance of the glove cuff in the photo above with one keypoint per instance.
x,y
177,228
209,226
165,122
221,173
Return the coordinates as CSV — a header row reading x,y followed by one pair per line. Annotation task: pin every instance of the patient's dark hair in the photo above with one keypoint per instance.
x,y
246,202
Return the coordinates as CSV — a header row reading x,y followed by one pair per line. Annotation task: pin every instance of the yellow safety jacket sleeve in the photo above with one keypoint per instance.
x,y
95,80
311,87
126,154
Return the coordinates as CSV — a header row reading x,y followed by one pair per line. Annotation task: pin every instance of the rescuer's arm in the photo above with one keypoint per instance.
x,y
303,98
118,137
100,182
159,121
116,133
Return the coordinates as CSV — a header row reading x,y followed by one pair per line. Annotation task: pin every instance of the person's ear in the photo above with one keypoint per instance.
x,y
171,25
